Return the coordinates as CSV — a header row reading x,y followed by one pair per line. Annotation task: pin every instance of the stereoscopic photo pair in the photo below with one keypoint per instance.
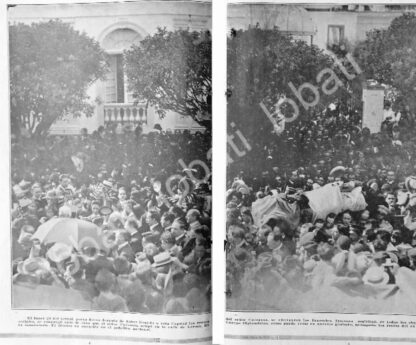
x,y
111,161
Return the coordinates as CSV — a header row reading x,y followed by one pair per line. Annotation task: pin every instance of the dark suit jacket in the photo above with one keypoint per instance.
x,y
195,266
157,229
136,242
127,252
95,265
188,246
144,226
181,241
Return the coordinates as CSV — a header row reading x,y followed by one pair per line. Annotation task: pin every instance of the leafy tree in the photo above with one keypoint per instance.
x,y
51,67
261,65
389,56
171,70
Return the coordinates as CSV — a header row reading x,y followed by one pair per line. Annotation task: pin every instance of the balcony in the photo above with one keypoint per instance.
x,y
125,113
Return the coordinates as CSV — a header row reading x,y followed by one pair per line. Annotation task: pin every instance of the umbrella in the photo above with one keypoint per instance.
x,y
338,171
410,183
74,232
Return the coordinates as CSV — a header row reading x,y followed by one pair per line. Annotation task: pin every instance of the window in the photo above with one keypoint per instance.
x,y
335,35
116,87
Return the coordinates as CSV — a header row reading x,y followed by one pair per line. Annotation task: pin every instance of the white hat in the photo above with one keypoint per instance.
x,y
376,276
162,259
33,266
59,252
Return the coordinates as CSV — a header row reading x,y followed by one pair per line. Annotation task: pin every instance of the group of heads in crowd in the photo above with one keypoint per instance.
x,y
352,245
312,145
154,214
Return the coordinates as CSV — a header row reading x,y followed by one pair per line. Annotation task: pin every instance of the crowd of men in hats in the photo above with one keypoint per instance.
x,y
323,217
157,257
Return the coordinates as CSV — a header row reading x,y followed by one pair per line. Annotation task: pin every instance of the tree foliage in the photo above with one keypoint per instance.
x,y
389,57
171,71
261,64
51,67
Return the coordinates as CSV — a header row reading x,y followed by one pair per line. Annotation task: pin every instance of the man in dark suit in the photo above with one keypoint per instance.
x,y
153,219
188,246
192,217
167,220
99,262
178,231
189,243
201,256
177,212
39,201
144,227
135,236
123,247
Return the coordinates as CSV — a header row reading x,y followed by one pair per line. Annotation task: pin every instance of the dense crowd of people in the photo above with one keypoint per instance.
x,y
323,216
113,220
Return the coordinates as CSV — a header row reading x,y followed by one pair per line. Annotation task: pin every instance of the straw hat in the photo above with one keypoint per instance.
x,y
33,266
371,182
337,171
375,276
25,202
142,267
410,183
108,183
383,209
51,195
59,252
162,259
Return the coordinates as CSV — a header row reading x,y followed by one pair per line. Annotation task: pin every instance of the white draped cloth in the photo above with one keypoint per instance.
x,y
329,199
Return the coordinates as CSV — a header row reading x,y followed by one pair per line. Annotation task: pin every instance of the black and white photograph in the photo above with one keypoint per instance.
x,y
110,181
321,173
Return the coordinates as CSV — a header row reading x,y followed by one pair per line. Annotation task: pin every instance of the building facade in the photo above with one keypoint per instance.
x,y
290,19
350,23
322,25
117,26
